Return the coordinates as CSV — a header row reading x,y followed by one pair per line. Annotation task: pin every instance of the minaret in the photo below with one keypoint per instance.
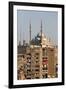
x,y
30,33
20,39
23,39
41,32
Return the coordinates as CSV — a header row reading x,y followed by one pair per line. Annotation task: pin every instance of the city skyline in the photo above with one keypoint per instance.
x,y
49,28
37,59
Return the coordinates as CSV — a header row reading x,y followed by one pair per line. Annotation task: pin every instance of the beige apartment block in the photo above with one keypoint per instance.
x,y
38,59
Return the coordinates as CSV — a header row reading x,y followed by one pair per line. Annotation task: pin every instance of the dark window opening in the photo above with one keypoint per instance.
x,y
37,77
23,56
44,68
37,53
45,76
28,78
28,57
36,57
36,69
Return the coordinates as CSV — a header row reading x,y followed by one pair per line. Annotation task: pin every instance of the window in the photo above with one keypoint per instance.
x,y
37,53
44,68
28,57
36,57
37,61
45,76
28,70
36,69
23,56
37,77
37,66
29,78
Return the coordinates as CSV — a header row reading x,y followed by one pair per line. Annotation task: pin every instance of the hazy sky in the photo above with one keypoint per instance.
x,y
49,24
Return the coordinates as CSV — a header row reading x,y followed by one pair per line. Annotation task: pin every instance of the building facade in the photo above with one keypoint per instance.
x,y
38,59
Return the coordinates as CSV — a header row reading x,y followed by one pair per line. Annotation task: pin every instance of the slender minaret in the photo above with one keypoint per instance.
x,y
41,32
23,39
20,38
30,34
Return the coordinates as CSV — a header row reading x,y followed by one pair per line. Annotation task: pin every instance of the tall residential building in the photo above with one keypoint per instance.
x,y
38,59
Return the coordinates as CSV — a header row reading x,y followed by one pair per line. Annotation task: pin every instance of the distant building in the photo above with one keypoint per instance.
x,y
38,59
